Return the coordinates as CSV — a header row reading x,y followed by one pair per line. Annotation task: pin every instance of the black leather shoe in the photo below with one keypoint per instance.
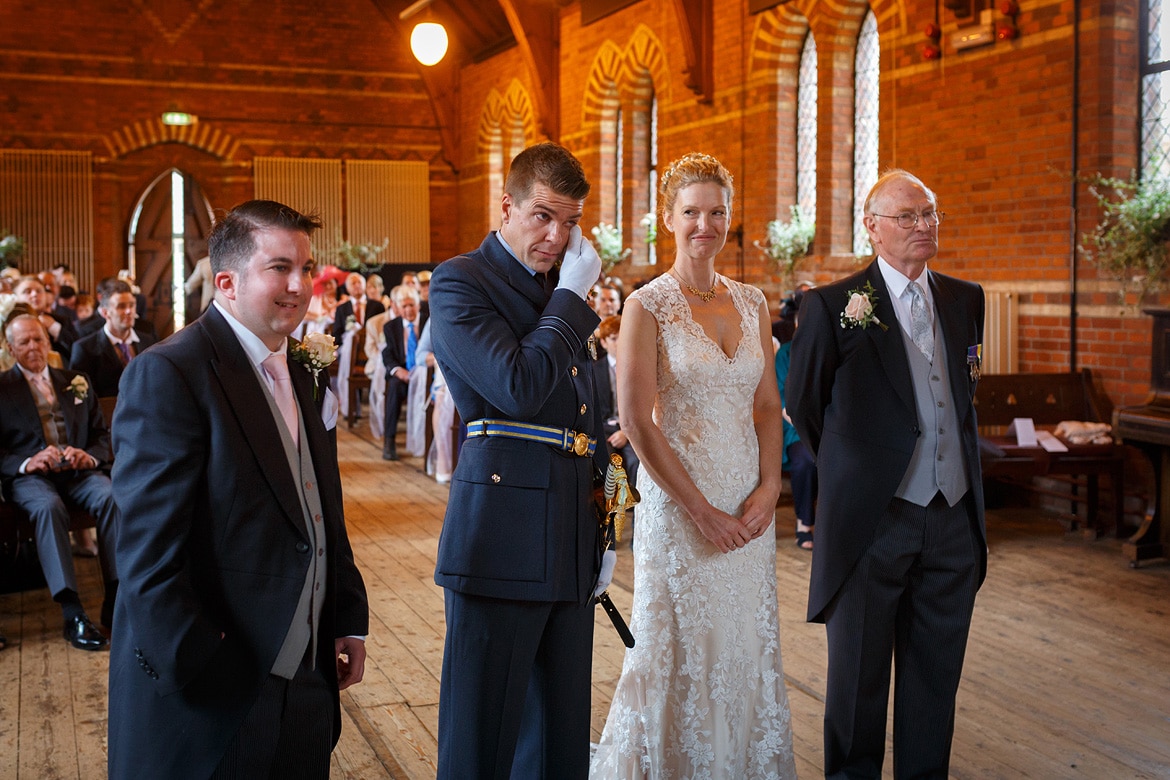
x,y
84,635
390,453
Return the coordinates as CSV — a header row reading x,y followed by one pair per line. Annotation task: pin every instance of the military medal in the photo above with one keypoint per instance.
x,y
975,361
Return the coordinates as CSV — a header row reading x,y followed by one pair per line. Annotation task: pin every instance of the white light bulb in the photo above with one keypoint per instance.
x,y
428,41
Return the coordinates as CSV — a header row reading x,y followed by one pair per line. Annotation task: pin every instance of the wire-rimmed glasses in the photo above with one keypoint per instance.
x,y
909,220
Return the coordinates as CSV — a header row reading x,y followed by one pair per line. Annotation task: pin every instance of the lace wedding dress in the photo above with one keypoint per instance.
x,y
701,695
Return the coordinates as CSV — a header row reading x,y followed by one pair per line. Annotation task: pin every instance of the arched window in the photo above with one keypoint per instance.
x,y
1155,70
806,129
629,167
866,73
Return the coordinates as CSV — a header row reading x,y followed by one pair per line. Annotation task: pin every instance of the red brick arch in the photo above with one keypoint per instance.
x,y
150,132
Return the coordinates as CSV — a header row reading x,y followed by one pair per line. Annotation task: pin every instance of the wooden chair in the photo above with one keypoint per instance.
x,y
358,380
107,403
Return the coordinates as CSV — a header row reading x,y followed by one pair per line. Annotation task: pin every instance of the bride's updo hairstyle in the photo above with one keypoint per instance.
x,y
693,168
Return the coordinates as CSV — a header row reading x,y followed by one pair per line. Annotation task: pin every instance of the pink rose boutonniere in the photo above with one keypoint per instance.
x,y
859,311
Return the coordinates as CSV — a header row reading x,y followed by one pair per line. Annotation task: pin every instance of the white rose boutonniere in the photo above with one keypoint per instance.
x,y
315,352
79,388
351,323
859,311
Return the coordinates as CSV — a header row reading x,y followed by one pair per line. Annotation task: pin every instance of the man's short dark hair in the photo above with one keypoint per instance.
x,y
110,287
549,164
233,240
66,292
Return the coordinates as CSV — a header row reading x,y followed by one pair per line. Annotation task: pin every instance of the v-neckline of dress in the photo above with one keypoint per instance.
x,y
695,323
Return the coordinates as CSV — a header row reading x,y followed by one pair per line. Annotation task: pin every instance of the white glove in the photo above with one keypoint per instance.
x,y
608,561
581,267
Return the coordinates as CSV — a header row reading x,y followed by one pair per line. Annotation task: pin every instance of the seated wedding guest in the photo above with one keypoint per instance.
x,y
375,369
104,354
86,306
144,323
398,356
605,373
322,306
62,333
607,299
54,445
51,288
440,460
424,291
797,461
376,291
354,312
67,302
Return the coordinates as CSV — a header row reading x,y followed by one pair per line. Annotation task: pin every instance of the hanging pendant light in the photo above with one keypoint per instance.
x,y
428,42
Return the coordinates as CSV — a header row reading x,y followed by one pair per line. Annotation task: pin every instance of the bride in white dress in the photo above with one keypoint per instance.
x,y
702,694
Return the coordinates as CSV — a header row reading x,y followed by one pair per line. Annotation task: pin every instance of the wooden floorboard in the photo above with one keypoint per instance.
x,y
1067,672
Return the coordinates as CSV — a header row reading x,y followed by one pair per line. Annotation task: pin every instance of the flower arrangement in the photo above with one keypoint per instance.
x,y
1132,240
359,257
859,311
315,352
11,248
79,388
786,243
608,240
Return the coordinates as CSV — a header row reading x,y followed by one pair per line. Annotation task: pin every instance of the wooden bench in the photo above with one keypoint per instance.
x,y
1048,399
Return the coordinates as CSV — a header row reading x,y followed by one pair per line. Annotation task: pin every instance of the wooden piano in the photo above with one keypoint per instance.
x,y
1147,427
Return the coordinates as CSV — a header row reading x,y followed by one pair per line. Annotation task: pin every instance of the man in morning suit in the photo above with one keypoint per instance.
x,y
242,613
401,337
882,396
103,355
54,445
519,555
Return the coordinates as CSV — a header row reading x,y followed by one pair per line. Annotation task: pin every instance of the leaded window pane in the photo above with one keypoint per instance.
x,y
1155,121
865,126
806,129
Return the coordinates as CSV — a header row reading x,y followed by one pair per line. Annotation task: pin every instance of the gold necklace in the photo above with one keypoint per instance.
x,y
705,297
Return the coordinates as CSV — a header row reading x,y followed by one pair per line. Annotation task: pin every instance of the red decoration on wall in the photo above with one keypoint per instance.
x,y
932,31
931,52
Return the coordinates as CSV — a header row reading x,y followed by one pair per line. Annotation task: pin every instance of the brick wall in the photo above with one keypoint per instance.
x,y
990,129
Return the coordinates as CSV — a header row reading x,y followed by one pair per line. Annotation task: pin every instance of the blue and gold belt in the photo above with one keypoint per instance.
x,y
561,438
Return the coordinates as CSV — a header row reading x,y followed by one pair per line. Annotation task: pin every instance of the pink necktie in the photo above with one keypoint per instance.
x,y
276,366
45,388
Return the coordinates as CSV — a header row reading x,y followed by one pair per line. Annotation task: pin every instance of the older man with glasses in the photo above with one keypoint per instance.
x,y
881,389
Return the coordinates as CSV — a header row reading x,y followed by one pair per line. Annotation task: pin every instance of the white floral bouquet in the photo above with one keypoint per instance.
x,y
359,257
315,352
79,388
786,243
11,248
608,240
650,223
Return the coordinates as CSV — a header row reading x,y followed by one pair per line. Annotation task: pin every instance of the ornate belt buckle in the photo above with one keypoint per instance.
x,y
580,444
